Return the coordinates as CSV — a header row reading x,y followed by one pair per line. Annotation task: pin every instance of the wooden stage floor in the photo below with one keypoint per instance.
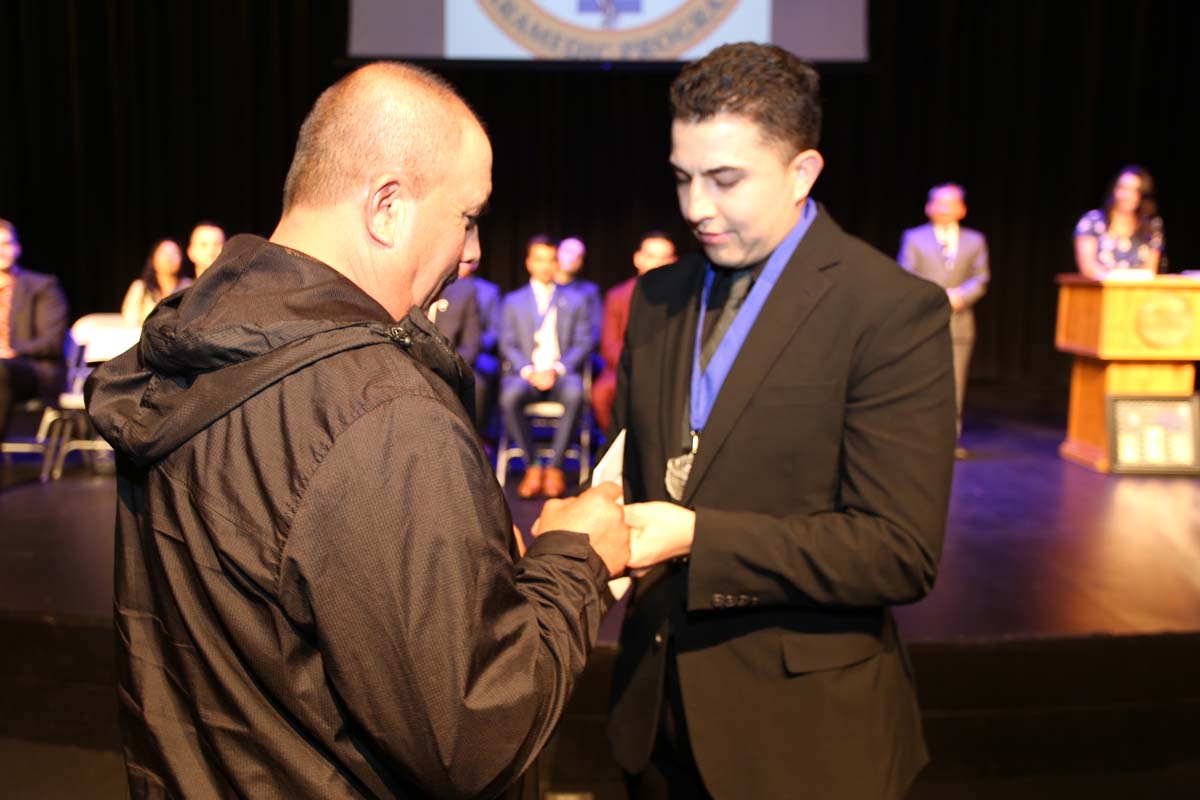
x,y
1035,546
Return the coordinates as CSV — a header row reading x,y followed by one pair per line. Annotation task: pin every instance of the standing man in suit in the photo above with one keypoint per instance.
x,y
33,322
571,253
789,410
655,250
545,336
955,258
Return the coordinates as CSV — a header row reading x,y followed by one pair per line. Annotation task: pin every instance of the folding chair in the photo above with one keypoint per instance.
x,y
25,446
547,415
97,338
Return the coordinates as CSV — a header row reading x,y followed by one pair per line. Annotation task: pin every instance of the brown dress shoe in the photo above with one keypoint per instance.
x,y
554,485
531,484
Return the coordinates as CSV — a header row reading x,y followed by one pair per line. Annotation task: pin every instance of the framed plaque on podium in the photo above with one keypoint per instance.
x,y
1132,339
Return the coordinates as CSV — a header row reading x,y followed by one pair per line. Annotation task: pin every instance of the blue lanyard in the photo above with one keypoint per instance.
x,y
706,384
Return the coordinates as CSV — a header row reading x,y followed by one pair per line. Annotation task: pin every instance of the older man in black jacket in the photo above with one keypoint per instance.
x,y
318,592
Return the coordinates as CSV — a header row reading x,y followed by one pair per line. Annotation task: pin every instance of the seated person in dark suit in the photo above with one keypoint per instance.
x,y
33,322
571,253
545,336
487,361
456,314
655,250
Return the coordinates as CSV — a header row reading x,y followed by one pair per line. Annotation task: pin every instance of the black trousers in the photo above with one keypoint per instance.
x,y
18,382
672,773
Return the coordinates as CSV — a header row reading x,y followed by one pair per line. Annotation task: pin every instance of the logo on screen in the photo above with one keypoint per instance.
x,y
608,30
609,9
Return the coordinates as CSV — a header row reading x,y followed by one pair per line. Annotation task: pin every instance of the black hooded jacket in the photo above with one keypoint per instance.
x,y
316,589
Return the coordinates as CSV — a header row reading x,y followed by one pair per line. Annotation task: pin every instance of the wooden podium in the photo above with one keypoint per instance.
x,y
1129,337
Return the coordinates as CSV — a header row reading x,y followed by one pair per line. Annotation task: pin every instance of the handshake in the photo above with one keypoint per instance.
x,y
633,537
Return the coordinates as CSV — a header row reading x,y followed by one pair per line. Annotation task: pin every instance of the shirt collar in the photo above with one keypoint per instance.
x,y
949,230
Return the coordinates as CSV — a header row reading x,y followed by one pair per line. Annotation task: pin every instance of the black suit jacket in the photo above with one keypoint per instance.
x,y
38,323
820,488
456,313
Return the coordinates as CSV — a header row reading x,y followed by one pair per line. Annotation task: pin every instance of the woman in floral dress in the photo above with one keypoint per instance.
x,y
1127,233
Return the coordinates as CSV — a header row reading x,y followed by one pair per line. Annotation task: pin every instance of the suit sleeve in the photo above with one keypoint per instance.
x,y
511,348
49,314
908,254
612,333
454,662
472,330
975,286
488,316
582,342
595,314
883,543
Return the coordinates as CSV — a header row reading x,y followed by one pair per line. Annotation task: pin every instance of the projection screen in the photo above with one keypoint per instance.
x,y
603,30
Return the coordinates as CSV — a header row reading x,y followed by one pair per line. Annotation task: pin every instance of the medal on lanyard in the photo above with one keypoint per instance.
x,y
679,468
706,383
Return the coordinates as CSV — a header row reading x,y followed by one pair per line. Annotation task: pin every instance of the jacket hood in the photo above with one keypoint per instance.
x,y
260,313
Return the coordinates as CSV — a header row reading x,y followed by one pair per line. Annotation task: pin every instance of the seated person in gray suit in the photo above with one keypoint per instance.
x,y
955,258
545,338
33,322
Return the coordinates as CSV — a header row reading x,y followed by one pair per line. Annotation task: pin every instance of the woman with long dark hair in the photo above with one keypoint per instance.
x,y
1127,233
162,275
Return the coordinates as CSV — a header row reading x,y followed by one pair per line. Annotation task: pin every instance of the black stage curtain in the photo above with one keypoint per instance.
x,y
127,121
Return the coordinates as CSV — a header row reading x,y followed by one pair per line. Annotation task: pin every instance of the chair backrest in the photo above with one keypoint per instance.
x,y
103,336
77,367
94,339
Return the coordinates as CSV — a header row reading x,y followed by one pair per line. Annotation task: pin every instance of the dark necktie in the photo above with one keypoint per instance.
x,y
735,284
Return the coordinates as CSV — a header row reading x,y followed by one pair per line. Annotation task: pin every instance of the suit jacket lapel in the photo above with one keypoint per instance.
x,y
932,245
799,288
564,319
675,366
529,318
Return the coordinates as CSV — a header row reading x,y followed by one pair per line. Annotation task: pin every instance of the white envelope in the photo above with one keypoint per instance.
x,y
611,469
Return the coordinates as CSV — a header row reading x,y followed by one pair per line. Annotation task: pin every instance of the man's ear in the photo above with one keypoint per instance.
x,y
805,167
388,211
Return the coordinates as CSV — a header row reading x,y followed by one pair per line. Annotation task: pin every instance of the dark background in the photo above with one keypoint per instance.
x,y
126,121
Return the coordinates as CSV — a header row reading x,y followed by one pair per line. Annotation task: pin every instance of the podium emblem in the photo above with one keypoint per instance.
x,y
1165,321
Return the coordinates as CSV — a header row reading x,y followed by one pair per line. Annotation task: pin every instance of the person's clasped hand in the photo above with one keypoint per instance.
x,y
659,532
597,514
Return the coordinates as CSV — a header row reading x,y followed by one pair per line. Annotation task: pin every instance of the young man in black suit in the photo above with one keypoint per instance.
x,y
789,409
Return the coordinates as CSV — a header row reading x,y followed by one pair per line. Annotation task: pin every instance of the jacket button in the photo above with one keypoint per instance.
x,y
718,600
658,639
